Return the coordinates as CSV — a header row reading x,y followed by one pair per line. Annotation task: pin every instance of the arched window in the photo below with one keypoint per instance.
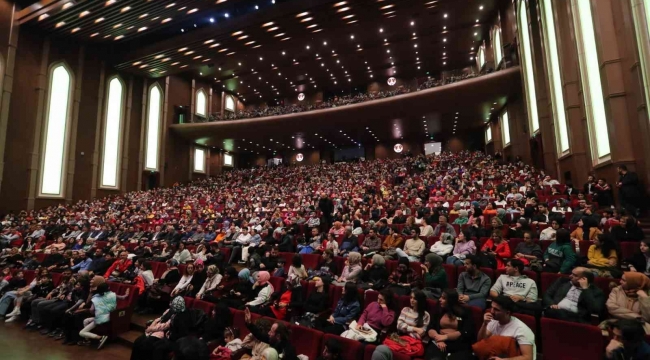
x,y
527,62
230,103
201,103
554,76
641,14
112,134
57,121
497,45
592,88
153,128
199,160
488,134
505,127
480,58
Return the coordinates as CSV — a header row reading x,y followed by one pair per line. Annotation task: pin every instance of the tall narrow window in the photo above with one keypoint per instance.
x,y
527,62
488,134
505,127
481,57
201,103
230,103
153,128
112,134
497,45
56,131
199,160
554,76
641,13
591,82
227,160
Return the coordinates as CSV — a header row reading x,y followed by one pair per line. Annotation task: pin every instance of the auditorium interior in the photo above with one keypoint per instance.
x,y
126,124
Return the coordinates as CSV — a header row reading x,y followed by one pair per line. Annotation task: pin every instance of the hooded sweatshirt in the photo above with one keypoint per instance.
x,y
562,254
516,285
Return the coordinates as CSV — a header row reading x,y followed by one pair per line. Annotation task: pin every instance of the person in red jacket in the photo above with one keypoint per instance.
x,y
118,266
497,247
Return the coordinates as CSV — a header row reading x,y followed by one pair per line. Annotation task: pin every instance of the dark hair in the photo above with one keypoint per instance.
x,y
146,265
296,261
589,276
530,233
631,330
233,331
351,295
282,331
330,253
421,301
453,309
102,289
623,167
562,236
333,347
607,244
473,258
389,298
516,263
505,302
191,348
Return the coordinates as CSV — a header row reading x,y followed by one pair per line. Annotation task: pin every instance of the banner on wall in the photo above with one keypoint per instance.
x,y
432,148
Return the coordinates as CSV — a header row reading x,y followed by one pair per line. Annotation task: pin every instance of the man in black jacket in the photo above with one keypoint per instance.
x,y
628,187
54,260
326,206
277,337
575,298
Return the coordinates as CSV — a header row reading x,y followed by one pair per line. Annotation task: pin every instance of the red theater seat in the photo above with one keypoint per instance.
x,y
562,340
207,307
307,341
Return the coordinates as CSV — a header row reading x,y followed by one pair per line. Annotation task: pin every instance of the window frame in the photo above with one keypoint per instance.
x,y
498,50
120,133
198,149
205,104
586,77
555,79
641,19
232,160
234,105
505,128
488,134
66,137
526,58
480,57
146,143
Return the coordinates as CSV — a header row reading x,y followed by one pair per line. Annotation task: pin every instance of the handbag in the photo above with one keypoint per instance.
x,y
367,334
405,345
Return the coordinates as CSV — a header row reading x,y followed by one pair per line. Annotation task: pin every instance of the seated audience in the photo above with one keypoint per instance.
x,y
628,342
495,250
517,286
499,321
575,298
347,309
351,271
560,256
451,331
464,246
374,275
434,276
529,252
413,248
473,284
630,300
640,261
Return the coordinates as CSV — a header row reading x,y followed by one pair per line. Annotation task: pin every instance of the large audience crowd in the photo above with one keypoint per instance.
x,y
335,101
399,253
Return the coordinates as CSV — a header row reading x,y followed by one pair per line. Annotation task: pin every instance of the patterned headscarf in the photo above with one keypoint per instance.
x,y
178,305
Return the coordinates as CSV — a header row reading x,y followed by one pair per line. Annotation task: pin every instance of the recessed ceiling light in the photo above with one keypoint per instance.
x,y
242,37
340,3
302,14
192,11
222,50
137,63
189,52
158,56
84,13
116,26
119,37
445,16
268,24
347,16
67,5
279,35
43,17
59,24
343,9
170,5
95,34
381,30
167,20
110,2
125,9
307,19
176,63
273,29
352,22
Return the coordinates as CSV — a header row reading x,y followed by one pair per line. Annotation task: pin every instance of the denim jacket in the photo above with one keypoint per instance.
x,y
345,313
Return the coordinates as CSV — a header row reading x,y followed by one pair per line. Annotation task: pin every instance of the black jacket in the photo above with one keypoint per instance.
x,y
591,301
377,275
620,233
639,262
316,302
465,327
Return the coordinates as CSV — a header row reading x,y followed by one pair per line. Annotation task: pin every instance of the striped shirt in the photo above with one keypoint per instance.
x,y
407,322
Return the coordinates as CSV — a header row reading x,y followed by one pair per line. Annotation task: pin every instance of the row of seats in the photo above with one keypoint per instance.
x,y
587,341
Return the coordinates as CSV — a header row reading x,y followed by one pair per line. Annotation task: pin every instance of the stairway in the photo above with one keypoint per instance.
x,y
138,325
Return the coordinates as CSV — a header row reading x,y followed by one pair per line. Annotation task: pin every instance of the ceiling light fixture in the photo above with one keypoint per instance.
x,y
99,20
302,14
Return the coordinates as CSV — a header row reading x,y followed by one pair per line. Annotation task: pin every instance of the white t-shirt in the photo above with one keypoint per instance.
x,y
515,329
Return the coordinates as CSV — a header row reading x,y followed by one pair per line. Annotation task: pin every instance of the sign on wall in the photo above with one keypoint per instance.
x,y
398,148
301,97
392,81
299,157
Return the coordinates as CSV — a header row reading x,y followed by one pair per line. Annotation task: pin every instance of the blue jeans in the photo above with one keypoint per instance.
x,y
6,301
452,260
478,302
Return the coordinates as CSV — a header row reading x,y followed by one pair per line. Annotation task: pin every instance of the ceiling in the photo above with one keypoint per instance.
x,y
265,50
428,115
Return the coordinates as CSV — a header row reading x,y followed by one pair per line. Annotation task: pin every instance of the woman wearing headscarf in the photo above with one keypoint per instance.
x,y
374,275
351,271
269,354
157,340
241,292
404,278
630,299
261,290
288,298
434,276
444,246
